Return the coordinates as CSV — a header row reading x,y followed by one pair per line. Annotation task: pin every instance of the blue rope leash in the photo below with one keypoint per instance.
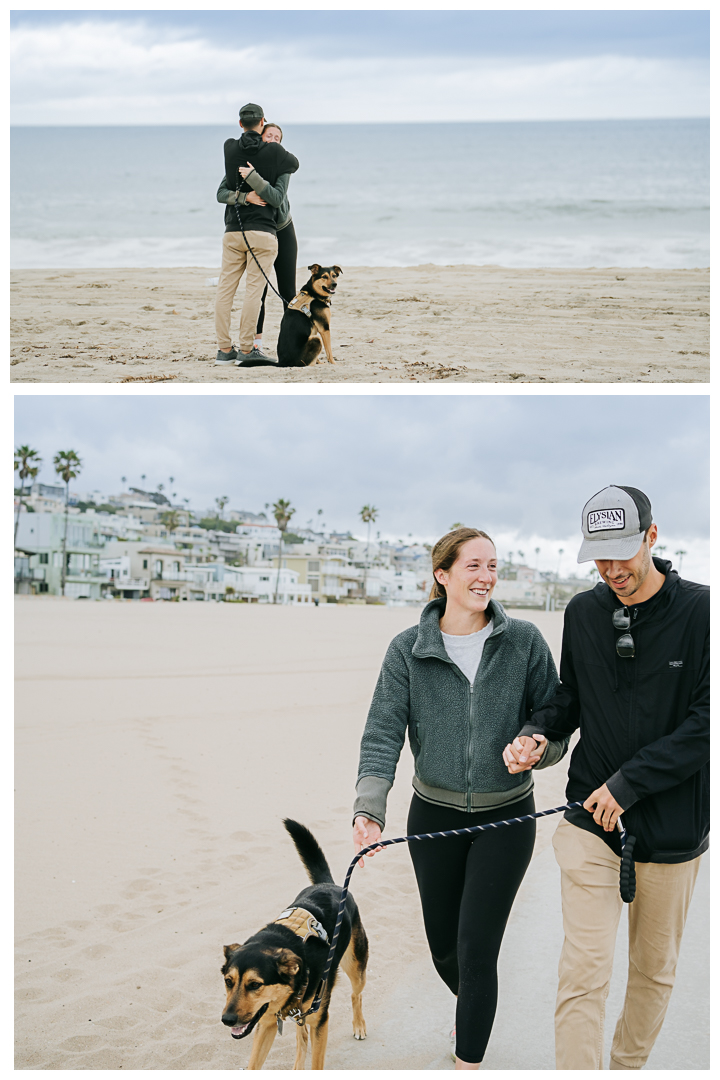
x,y
403,840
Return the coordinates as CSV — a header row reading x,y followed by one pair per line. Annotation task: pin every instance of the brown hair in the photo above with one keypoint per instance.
x,y
275,126
447,550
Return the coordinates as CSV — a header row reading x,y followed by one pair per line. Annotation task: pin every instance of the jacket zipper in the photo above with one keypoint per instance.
x,y
469,753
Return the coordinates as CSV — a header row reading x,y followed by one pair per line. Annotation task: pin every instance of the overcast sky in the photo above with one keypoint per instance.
x,y
519,467
175,67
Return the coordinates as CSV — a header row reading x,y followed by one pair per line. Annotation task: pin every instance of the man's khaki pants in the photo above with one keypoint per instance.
x,y
591,906
236,259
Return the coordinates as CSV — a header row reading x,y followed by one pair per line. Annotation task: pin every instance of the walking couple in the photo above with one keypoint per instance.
x,y
259,233
478,695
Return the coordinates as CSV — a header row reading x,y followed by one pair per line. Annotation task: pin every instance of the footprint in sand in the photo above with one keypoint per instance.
x,y
77,1043
66,974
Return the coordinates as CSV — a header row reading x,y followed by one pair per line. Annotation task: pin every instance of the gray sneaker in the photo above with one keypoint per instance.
x,y
254,354
226,357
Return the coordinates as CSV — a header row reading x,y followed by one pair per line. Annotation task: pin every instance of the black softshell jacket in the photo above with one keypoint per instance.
x,y
271,160
644,722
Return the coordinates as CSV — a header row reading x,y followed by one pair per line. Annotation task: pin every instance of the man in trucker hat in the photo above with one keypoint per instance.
x,y
635,680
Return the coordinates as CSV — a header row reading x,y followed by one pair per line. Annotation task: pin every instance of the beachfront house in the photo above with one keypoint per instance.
x,y
40,539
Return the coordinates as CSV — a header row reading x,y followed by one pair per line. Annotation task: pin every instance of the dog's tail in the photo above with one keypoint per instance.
x,y
310,852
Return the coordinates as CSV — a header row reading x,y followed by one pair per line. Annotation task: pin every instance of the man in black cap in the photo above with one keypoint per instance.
x,y
635,679
249,228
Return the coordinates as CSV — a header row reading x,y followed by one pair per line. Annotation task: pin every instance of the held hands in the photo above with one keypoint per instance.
x,y
245,171
366,832
253,197
606,809
524,752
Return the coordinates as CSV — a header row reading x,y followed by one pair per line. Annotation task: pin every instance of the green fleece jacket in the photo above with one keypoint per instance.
x,y
457,731
274,196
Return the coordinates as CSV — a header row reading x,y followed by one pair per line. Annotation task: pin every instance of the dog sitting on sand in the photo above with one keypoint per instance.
x,y
274,975
305,326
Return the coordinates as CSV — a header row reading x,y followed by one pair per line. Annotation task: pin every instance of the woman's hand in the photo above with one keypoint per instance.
x,y
524,752
366,832
253,197
245,171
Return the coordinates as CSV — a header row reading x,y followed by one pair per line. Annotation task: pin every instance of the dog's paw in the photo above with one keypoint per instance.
x,y
360,1033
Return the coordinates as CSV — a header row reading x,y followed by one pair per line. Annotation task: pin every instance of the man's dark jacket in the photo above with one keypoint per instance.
x,y
271,161
644,722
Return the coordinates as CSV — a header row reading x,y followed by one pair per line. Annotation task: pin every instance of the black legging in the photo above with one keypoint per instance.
x,y
285,270
467,887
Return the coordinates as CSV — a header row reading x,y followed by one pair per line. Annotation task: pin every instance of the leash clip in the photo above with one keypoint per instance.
x,y
279,1019
297,1016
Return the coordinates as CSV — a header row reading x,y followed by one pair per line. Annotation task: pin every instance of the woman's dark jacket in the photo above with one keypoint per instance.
x,y
644,722
457,731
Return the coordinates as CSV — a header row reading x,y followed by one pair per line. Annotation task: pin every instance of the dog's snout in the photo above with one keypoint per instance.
x,y
230,1019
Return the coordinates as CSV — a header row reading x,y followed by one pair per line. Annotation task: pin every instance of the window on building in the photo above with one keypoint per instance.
x,y
145,564
43,558
313,566
176,568
158,568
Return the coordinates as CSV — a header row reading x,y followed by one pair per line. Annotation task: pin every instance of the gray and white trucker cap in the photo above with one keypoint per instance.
x,y
614,523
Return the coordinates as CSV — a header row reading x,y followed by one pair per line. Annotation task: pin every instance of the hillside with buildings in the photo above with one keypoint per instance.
x,y
139,546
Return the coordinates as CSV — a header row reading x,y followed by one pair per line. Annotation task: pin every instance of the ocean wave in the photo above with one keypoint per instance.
x,y
596,250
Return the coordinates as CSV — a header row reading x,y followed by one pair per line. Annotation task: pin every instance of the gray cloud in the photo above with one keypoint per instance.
x,y
509,464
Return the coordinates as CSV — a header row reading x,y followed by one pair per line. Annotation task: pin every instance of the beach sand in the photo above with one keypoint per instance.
x,y
158,748
414,324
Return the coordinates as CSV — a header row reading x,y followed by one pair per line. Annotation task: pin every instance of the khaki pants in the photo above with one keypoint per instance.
x,y
591,907
235,260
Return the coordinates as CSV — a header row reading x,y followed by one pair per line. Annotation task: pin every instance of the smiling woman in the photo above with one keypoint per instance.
x,y
461,684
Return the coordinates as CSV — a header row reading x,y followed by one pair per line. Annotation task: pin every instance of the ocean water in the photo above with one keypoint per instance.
x,y
554,194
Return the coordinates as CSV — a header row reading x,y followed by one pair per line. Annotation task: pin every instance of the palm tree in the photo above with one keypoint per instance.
x,y
282,512
143,478
680,554
521,554
221,503
67,466
123,480
27,466
170,519
368,514
537,553
457,525
560,555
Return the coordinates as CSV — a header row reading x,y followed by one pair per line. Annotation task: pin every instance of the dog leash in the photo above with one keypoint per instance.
x,y
247,245
627,876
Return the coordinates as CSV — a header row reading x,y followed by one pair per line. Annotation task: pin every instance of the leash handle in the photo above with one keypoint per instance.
x,y
403,840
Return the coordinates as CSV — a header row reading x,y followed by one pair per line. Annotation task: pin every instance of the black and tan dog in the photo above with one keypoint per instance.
x,y
273,976
305,326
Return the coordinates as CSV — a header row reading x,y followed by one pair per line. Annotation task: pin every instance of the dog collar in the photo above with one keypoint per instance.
x,y
302,923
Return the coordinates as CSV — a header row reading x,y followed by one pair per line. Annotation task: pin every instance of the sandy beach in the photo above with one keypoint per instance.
x,y
158,748
415,324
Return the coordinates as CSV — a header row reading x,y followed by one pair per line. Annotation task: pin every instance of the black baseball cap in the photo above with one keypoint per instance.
x,y
614,522
251,113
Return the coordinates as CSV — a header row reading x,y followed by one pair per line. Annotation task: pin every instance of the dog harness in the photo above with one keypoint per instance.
x,y
302,302
305,925
302,923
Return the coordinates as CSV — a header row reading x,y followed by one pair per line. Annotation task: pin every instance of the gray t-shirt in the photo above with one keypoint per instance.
x,y
466,650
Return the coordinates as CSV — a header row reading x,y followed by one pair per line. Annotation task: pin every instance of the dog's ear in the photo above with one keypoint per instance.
x,y
315,268
288,963
227,949
337,269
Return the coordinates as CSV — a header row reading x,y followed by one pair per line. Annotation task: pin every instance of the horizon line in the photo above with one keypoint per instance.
x,y
387,123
